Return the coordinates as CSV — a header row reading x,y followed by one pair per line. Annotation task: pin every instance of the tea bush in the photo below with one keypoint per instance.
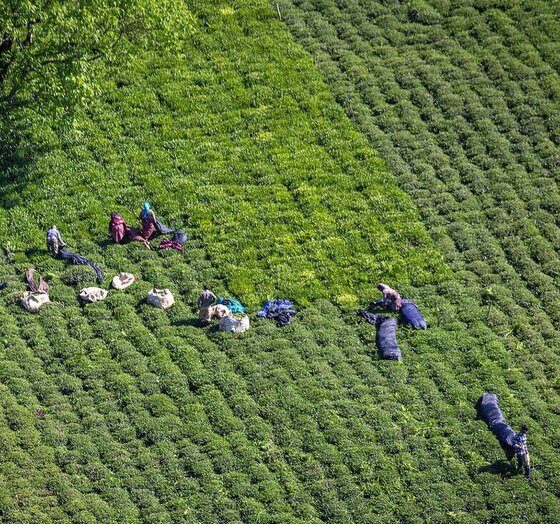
x,y
118,412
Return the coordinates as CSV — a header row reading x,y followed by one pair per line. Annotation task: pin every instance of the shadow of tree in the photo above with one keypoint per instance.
x,y
18,149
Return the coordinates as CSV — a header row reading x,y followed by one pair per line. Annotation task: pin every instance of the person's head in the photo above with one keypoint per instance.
x,y
54,227
524,428
380,286
206,288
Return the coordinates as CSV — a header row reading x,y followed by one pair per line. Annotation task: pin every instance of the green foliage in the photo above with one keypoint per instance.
x,y
48,47
117,412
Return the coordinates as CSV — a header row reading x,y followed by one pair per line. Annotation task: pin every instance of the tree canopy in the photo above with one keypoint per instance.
x,y
47,47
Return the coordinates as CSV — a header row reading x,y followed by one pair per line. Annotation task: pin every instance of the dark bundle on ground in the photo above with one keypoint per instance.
x,y
489,411
74,258
386,337
410,314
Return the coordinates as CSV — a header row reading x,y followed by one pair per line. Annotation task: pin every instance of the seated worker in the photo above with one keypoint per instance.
x,y
148,220
54,241
205,301
391,298
121,232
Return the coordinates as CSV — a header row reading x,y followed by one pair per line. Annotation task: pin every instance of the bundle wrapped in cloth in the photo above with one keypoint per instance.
x,y
233,324
279,309
410,315
160,298
489,411
386,336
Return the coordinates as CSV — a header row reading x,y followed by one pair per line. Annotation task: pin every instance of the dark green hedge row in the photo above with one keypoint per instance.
x,y
117,412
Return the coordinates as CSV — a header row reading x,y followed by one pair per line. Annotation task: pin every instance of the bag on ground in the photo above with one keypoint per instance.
x,y
489,411
93,294
160,298
386,338
34,300
123,280
410,314
234,325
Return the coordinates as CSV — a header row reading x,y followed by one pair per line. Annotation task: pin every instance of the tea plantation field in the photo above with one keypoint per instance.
x,y
118,412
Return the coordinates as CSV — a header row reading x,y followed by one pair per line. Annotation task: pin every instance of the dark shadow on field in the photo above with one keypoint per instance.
x,y
501,467
34,251
188,322
106,242
17,153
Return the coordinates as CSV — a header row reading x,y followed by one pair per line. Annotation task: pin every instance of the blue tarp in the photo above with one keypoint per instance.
x,y
279,309
233,305
65,254
386,337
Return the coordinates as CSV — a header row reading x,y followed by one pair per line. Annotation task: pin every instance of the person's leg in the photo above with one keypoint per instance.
x,y
204,315
527,465
53,246
519,462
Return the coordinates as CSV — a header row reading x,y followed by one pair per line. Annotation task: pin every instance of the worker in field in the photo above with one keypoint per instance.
x,y
148,220
521,451
205,301
54,241
391,298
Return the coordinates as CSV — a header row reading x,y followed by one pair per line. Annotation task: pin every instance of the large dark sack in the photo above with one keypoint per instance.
x,y
410,314
73,258
387,338
489,411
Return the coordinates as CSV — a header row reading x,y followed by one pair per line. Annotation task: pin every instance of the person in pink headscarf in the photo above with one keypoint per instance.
x,y
391,298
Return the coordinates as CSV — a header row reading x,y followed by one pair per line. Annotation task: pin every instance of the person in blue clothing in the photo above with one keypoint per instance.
x,y
522,452
54,241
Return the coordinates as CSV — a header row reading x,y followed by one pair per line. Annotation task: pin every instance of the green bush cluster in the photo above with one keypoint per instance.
x,y
118,412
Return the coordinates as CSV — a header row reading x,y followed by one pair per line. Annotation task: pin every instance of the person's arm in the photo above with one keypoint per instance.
x,y
199,301
213,297
59,237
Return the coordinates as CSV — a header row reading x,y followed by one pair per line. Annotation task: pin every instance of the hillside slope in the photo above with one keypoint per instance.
x,y
116,412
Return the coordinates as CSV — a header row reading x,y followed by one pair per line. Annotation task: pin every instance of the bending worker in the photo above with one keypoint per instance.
x,y
148,220
205,300
54,241
391,298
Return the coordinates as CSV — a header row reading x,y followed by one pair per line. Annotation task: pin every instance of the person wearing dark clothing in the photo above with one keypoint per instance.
x,y
54,241
522,452
205,301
